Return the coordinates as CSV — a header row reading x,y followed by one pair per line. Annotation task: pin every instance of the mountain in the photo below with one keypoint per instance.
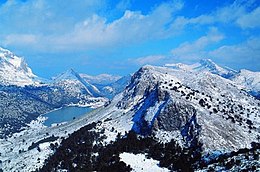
x,y
72,81
189,117
102,79
249,81
14,70
108,85
176,100
24,96
114,88
206,65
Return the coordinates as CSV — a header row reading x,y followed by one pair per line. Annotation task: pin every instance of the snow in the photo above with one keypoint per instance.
x,y
140,163
248,79
217,91
218,133
244,79
205,65
166,136
151,112
15,71
71,80
103,79
108,88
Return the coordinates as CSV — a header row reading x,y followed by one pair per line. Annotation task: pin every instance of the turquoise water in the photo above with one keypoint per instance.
x,y
65,114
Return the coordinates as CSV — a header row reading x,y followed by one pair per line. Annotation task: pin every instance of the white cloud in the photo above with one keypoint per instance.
x,y
246,53
55,31
20,39
241,55
132,27
236,13
250,20
196,50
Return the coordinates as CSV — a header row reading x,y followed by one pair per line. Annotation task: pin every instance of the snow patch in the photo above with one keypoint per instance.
x,y
140,163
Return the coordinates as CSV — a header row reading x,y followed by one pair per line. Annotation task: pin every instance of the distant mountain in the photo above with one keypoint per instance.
x,y
14,70
103,85
248,80
24,96
180,114
73,82
102,79
194,118
206,65
114,88
107,85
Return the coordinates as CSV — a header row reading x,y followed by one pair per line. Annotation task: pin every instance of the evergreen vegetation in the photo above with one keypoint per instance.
x,y
85,151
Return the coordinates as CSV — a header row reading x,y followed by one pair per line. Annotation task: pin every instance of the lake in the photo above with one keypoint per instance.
x,y
65,114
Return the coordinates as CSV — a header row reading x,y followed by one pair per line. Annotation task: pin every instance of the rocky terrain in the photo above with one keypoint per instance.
x,y
183,117
25,96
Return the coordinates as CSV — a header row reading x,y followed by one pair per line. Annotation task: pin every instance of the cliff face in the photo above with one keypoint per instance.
x,y
195,105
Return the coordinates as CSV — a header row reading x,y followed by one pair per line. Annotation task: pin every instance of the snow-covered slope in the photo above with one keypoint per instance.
x,y
187,106
102,79
140,163
14,70
177,101
108,85
71,81
206,65
24,96
112,89
249,80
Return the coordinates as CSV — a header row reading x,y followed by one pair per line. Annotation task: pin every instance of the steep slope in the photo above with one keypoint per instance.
x,y
71,81
206,65
190,107
24,96
108,85
102,79
112,89
246,79
14,70
250,81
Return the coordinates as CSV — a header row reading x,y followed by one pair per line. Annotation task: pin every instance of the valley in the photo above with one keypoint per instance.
x,y
200,112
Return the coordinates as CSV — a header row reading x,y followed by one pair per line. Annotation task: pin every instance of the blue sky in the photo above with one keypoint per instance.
x,y
119,36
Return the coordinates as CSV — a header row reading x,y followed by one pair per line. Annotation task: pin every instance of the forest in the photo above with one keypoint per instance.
x,y
84,151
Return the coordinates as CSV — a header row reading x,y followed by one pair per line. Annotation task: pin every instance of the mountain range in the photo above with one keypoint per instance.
x,y
25,96
248,80
205,115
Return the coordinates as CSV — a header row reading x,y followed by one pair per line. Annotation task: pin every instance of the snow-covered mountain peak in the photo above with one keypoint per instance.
x,y
72,81
188,106
17,62
249,73
102,79
171,99
181,66
209,65
67,75
249,80
14,70
246,79
205,65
